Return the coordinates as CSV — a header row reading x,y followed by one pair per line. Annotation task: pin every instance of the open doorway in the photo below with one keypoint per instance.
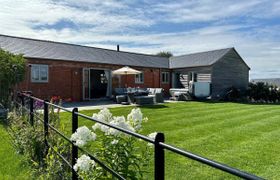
x,y
96,83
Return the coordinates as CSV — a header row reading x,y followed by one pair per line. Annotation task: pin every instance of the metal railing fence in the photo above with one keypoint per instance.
x,y
159,145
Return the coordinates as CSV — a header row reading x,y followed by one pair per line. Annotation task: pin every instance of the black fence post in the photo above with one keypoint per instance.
x,y
74,148
31,110
159,157
46,122
22,104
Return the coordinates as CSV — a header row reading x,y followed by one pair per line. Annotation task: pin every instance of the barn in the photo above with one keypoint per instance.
x,y
218,69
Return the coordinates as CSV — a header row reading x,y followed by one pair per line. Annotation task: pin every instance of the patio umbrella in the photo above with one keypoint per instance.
x,y
126,71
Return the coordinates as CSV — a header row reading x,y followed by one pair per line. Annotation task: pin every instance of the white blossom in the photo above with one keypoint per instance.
x,y
132,123
103,115
135,115
82,136
84,163
120,122
136,118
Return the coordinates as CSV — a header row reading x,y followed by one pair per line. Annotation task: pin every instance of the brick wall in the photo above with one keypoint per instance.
x,y
65,79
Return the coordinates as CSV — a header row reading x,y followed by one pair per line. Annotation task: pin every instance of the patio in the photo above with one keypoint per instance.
x,y
91,105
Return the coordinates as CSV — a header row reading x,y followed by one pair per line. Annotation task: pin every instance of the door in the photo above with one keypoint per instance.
x,y
98,84
86,84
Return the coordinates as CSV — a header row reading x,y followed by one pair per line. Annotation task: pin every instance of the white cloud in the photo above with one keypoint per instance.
x,y
205,10
107,23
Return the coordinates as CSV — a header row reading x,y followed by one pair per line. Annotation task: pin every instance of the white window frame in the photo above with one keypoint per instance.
x,y
138,78
167,77
40,66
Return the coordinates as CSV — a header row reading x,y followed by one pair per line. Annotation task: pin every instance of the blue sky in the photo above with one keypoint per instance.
x,y
150,26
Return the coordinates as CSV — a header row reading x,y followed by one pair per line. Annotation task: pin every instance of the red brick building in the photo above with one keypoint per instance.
x,y
82,73
66,79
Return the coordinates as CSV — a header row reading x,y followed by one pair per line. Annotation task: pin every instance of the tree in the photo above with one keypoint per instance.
x,y
167,54
12,68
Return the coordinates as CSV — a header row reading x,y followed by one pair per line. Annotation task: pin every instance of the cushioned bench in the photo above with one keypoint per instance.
x,y
141,100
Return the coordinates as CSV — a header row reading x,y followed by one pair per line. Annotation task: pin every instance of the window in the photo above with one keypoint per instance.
x,y
139,78
165,77
39,73
103,79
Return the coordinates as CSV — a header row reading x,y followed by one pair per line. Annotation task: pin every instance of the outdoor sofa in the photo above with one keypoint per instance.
x,y
132,95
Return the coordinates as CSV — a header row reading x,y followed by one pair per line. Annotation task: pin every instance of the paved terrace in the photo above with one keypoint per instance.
x,y
97,104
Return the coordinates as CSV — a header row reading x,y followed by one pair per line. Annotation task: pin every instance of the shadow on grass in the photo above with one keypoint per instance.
x,y
157,106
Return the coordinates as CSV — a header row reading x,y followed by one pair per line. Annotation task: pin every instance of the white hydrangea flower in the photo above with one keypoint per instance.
x,y
103,115
84,163
82,136
136,118
120,122
135,115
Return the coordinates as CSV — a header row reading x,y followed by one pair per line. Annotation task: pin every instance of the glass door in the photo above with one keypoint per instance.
x,y
86,84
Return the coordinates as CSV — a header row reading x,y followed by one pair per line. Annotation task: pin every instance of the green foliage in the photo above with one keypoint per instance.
x,y
232,94
126,157
167,54
56,168
27,139
263,92
12,165
12,68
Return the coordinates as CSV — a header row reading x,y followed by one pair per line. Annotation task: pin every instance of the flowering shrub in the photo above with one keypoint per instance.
x,y
122,152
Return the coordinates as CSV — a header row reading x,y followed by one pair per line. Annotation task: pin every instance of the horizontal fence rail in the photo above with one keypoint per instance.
x,y
158,142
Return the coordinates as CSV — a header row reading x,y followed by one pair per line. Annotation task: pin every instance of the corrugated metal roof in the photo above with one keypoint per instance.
x,y
32,48
197,59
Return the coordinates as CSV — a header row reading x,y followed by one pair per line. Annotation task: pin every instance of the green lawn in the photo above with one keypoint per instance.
x,y
12,165
240,135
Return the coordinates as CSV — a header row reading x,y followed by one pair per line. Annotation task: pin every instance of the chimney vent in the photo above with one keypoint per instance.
x,y
118,47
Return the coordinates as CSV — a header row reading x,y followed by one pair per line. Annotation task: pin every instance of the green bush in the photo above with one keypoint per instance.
x,y
27,139
232,94
12,68
30,141
263,92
